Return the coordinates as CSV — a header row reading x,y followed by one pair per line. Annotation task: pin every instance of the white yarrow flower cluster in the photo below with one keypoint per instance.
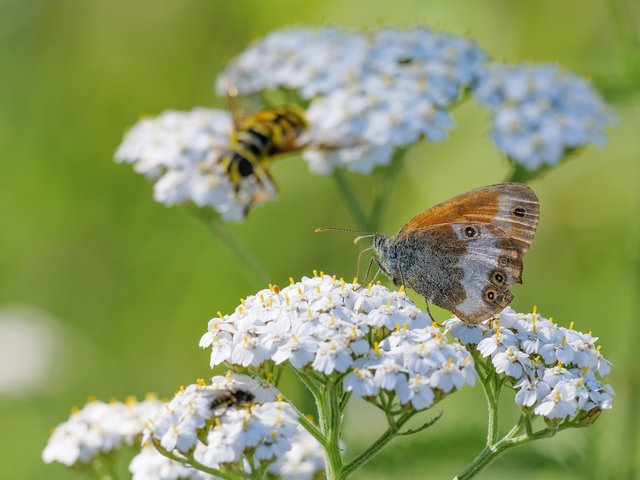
x,y
377,337
178,151
98,428
261,425
557,372
311,61
539,113
368,94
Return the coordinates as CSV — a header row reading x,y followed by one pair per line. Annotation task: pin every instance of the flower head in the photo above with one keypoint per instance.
x,y
540,113
367,94
179,152
240,418
313,61
98,428
377,338
554,370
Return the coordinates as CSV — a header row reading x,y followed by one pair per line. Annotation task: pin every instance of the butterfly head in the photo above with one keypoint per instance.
x,y
381,245
388,255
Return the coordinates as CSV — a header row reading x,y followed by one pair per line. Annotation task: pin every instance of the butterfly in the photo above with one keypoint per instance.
x,y
464,253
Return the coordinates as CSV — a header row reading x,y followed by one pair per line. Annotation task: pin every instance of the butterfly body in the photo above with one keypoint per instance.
x,y
465,253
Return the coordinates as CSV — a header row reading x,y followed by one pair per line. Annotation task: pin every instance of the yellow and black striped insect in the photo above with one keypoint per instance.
x,y
228,398
257,139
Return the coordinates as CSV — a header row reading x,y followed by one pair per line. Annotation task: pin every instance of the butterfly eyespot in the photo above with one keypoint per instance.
x,y
504,261
470,232
498,276
519,212
490,295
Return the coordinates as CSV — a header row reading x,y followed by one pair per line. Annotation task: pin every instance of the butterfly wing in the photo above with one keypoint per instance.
x,y
466,268
512,207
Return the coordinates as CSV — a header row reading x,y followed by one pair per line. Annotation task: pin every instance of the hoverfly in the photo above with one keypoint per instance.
x,y
258,138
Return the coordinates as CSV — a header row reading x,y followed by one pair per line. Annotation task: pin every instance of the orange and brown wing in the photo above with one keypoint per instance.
x,y
512,207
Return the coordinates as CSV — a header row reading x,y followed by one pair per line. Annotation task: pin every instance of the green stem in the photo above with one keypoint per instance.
x,y
307,424
627,33
488,455
493,430
83,469
521,433
310,427
619,86
101,467
255,273
377,445
491,388
519,174
351,201
389,175
189,460
214,471
241,251
512,439
306,381
113,472
333,430
317,393
321,407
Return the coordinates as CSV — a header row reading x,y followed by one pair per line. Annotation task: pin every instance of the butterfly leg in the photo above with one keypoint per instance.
x,y
404,285
374,277
358,262
433,319
426,301
371,262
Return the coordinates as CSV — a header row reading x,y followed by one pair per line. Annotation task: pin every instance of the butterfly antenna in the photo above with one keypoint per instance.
x,y
337,229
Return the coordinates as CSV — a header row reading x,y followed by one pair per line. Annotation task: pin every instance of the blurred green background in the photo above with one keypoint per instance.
x,y
133,283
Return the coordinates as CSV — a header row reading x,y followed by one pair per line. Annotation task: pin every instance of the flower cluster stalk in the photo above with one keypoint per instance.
x,y
351,200
331,402
386,180
190,460
521,433
254,271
